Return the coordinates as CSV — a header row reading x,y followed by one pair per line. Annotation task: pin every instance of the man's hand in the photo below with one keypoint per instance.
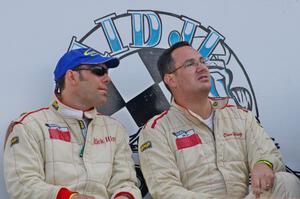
x,y
262,178
81,196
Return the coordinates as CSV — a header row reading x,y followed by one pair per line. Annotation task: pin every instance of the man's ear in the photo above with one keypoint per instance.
x,y
72,77
169,79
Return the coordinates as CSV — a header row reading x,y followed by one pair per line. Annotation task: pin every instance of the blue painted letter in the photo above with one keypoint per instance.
x,y
138,29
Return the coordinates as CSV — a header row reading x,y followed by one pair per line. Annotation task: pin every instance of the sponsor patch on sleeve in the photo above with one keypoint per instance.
x,y
14,140
145,146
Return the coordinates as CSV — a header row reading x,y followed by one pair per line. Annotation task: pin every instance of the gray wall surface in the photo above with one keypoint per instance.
x,y
263,34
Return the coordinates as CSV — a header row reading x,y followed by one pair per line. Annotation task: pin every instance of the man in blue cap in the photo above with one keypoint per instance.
x,y
69,150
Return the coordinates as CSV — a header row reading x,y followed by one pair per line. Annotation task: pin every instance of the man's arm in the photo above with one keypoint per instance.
x,y
24,167
260,146
160,169
263,156
123,181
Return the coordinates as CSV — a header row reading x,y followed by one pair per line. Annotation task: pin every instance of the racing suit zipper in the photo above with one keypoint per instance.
x,y
212,130
215,145
83,124
83,130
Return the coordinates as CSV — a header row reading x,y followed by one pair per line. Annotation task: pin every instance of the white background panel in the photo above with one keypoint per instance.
x,y
263,34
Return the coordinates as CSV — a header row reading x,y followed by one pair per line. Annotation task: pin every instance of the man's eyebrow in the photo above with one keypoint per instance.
x,y
189,60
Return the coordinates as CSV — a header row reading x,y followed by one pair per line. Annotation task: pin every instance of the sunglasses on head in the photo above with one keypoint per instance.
x,y
97,70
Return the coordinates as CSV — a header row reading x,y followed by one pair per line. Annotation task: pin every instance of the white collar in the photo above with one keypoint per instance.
x,y
69,112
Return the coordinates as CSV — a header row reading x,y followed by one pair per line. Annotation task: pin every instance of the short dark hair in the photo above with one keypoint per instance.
x,y
60,83
165,63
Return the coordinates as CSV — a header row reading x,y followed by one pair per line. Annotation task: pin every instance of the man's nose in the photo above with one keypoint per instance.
x,y
106,78
201,66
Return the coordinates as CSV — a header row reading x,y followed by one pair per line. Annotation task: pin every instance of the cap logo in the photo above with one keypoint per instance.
x,y
90,53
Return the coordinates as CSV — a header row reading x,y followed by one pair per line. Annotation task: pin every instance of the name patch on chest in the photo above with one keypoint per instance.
x,y
233,135
186,139
104,140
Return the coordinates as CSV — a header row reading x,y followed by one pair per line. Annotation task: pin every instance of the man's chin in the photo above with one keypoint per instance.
x,y
101,102
207,88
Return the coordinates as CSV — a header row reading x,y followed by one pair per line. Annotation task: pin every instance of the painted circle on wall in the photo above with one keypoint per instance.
x,y
137,38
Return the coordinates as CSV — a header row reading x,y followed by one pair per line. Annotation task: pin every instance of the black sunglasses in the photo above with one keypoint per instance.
x,y
97,70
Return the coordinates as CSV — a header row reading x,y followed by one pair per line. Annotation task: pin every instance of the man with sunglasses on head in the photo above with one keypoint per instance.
x,y
69,150
203,147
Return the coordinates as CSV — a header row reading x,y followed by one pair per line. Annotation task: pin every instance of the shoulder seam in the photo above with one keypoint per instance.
x,y
14,123
27,114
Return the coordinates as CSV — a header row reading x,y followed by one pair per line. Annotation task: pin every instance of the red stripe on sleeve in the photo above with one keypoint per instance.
x,y
159,117
31,113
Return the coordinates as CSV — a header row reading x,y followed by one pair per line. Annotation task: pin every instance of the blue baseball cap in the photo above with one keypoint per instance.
x,y
80,56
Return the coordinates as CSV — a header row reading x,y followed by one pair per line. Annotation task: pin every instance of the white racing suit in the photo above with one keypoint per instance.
x,y
181,157
46,151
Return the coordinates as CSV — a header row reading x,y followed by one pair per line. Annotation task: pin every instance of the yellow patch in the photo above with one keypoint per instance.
x,y
81,124
145,146
55,105
14,140
215,104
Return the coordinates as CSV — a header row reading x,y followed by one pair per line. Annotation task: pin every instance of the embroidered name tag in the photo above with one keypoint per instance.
x,y
104,140
233,135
